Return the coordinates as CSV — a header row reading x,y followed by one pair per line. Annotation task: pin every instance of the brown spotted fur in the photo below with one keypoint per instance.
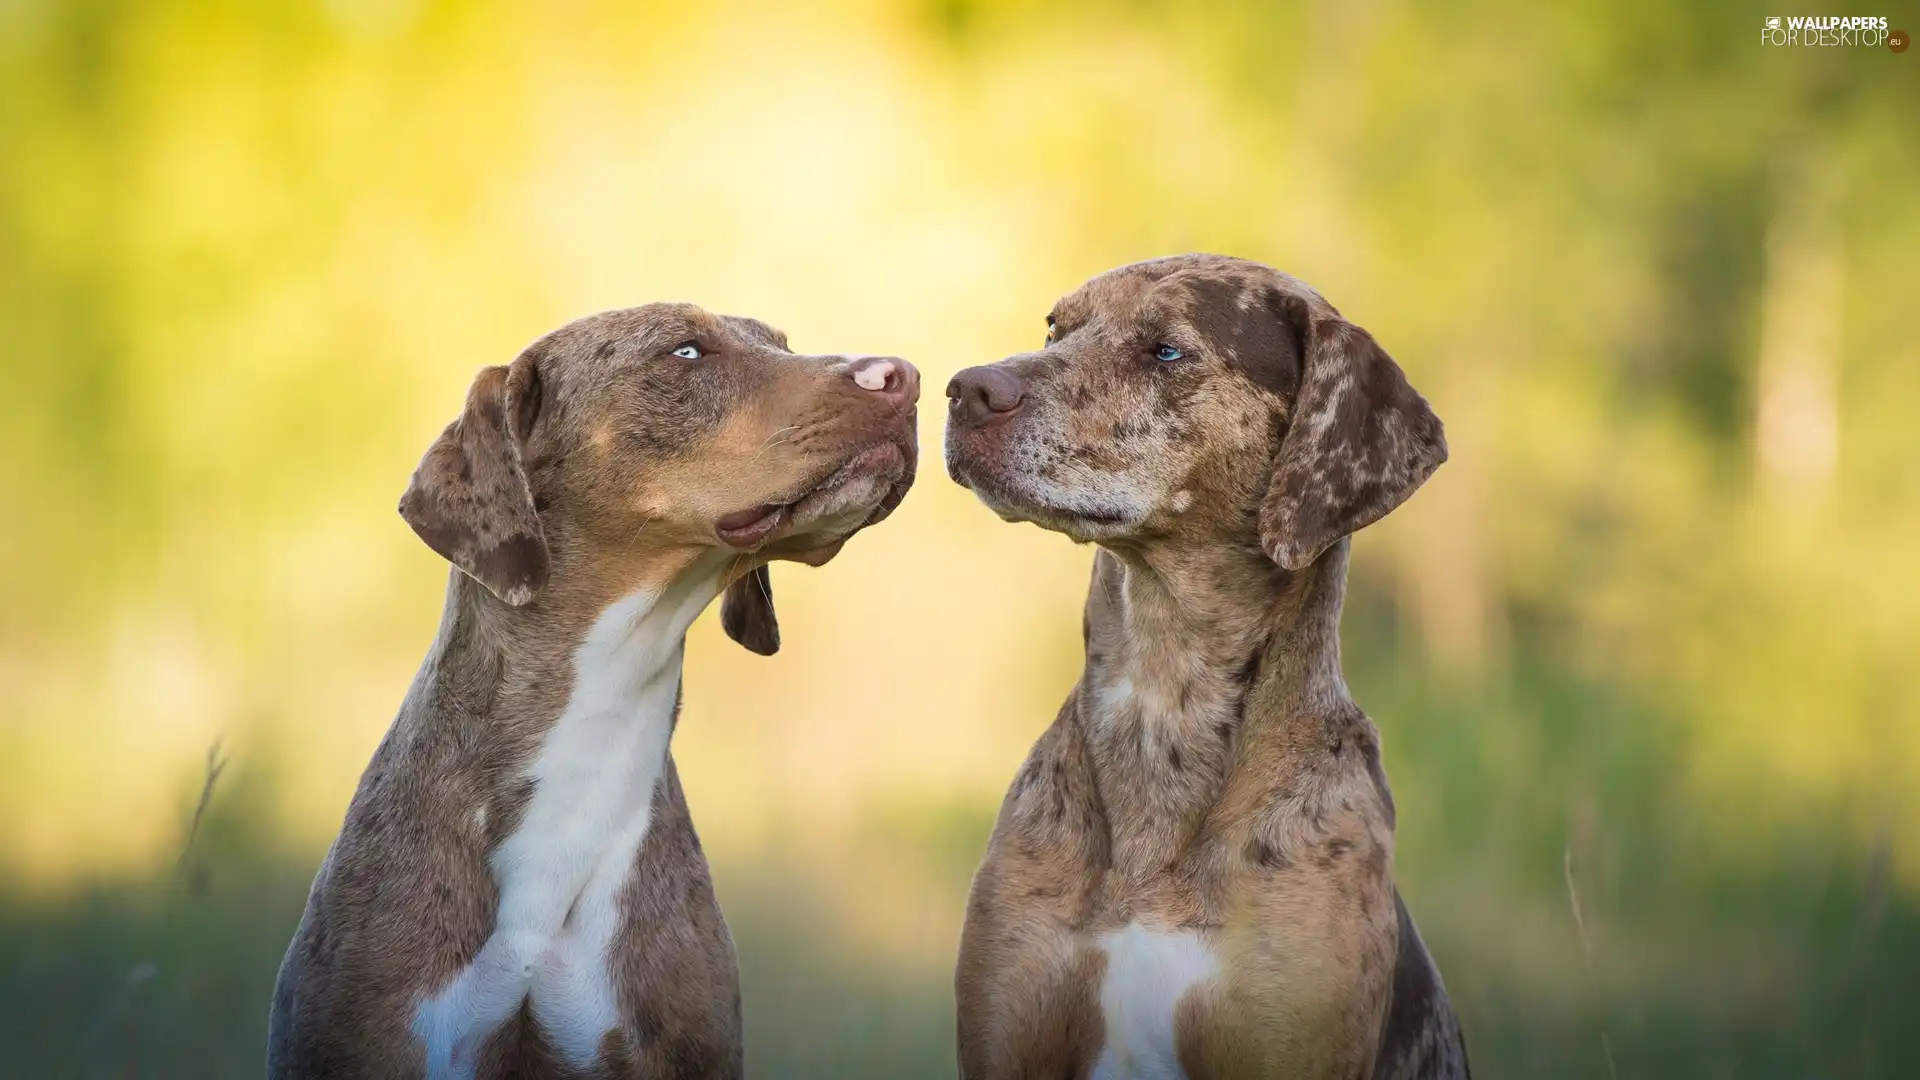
x,y
1237,791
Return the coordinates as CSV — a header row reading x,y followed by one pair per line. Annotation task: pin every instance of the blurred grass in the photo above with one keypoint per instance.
x,y
1655,621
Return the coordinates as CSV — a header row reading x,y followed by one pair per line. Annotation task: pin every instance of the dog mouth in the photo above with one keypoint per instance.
x,y
1014,505
753,526
1023,483
1063,512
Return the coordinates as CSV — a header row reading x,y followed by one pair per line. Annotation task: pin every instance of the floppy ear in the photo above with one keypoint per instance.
x,y
469,499
746,612
1359,442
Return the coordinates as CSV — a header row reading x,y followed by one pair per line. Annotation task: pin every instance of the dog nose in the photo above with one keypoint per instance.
x,y
887,375
985,393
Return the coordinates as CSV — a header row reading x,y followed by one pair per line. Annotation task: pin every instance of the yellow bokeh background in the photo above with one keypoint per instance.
x,y
1657,620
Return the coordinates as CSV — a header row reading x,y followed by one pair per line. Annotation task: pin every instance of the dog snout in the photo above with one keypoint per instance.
x,y
981,395
889,376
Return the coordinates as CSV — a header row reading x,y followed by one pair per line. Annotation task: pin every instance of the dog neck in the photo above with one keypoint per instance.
x,y
1195,657
566,708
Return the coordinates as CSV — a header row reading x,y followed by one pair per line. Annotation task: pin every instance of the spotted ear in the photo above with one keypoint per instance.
x,y
469,499
1359,442
746,612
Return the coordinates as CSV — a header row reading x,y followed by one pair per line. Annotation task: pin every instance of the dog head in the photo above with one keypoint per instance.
x,y
1196,398
657,431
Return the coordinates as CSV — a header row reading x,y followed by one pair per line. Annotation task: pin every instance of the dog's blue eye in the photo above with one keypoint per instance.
x,y
1166,354
689,351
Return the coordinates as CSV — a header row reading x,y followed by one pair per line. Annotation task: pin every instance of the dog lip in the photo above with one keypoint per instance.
x,y
740,519
1004,497
746,528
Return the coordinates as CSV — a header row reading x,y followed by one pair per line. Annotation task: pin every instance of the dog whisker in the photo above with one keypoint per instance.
x,y
774,440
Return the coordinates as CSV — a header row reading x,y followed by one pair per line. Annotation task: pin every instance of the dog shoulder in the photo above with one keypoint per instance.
x,y
1333,820
1026,992
1040,859
1314,867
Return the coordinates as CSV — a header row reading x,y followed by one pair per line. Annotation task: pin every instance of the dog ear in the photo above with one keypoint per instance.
x,y
746,612
1359,442
469,499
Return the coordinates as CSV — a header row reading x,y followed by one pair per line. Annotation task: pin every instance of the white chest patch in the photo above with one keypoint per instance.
x,y
1148,972
561,872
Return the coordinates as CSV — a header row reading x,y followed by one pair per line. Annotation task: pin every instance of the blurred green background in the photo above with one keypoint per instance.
x,y
1647,649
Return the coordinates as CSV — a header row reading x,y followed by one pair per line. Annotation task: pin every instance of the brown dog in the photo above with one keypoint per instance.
x,y
518,890
1192,875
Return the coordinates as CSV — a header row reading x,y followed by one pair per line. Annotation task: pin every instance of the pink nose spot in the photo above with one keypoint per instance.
x,y
873,376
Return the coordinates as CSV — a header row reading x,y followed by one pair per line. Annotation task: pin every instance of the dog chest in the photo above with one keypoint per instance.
x,y
561,872
1181,1004
1149,973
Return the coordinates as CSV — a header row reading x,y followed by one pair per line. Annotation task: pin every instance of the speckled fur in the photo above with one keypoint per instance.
x,y
1210,773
